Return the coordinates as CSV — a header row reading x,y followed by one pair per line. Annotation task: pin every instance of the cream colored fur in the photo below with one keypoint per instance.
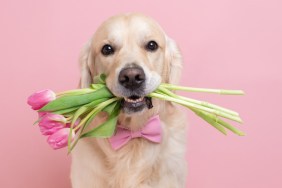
x,y
140,163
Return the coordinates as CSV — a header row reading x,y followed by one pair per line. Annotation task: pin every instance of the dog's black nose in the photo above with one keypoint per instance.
x,y
131,77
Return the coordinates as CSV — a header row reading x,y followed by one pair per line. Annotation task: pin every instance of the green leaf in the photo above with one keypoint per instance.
x,y
75,92
109,109
107,128
104,130
112,107
100,79
97,86
86,108
96,102
66,102
65,111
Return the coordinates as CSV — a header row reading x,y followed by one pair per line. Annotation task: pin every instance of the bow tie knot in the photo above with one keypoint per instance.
x,y
152,131
136,134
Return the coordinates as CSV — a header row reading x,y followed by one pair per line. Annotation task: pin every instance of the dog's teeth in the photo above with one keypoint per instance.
x,y
134,100
139,100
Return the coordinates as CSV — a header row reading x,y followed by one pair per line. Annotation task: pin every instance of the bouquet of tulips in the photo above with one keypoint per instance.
x,y
63,117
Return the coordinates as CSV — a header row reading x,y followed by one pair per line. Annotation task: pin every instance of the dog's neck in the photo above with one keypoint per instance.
x,y
135,121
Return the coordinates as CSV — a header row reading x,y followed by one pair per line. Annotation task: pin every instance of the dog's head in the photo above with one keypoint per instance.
x,y
136,56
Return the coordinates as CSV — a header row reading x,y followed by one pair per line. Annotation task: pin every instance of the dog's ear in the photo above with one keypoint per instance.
x,y
85,61
173,62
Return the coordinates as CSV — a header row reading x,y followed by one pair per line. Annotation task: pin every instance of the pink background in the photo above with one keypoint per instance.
x,y
231,44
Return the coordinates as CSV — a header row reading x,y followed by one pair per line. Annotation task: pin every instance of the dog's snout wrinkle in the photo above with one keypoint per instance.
x,y
131,77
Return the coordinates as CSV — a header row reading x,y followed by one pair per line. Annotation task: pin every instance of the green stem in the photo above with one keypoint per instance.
x,y
69,118
194,89
211,118
98,108
231,128
202,103
192,105
211,121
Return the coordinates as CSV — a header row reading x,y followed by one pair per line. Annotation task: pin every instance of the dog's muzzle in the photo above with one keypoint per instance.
x,y
132,79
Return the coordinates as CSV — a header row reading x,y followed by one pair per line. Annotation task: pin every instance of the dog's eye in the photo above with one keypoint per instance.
x,y
107,50
152,46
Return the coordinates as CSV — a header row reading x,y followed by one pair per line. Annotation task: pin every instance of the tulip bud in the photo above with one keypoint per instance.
x,y
51,123
60,138
41,114
39,99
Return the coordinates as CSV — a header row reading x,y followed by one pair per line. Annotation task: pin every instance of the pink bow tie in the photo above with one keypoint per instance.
x,y
151,131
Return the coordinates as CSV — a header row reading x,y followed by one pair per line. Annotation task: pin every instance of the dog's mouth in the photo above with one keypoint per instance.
x,y
136,103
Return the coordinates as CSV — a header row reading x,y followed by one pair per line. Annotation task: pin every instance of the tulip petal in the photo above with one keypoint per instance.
x,y
51,123
39,99
60,138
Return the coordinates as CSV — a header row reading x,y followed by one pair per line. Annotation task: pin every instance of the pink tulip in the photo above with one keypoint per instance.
x,y
60,138
41,114
51,123
39,99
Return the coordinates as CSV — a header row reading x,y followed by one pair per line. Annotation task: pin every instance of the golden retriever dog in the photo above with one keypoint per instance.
x,y
136,55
